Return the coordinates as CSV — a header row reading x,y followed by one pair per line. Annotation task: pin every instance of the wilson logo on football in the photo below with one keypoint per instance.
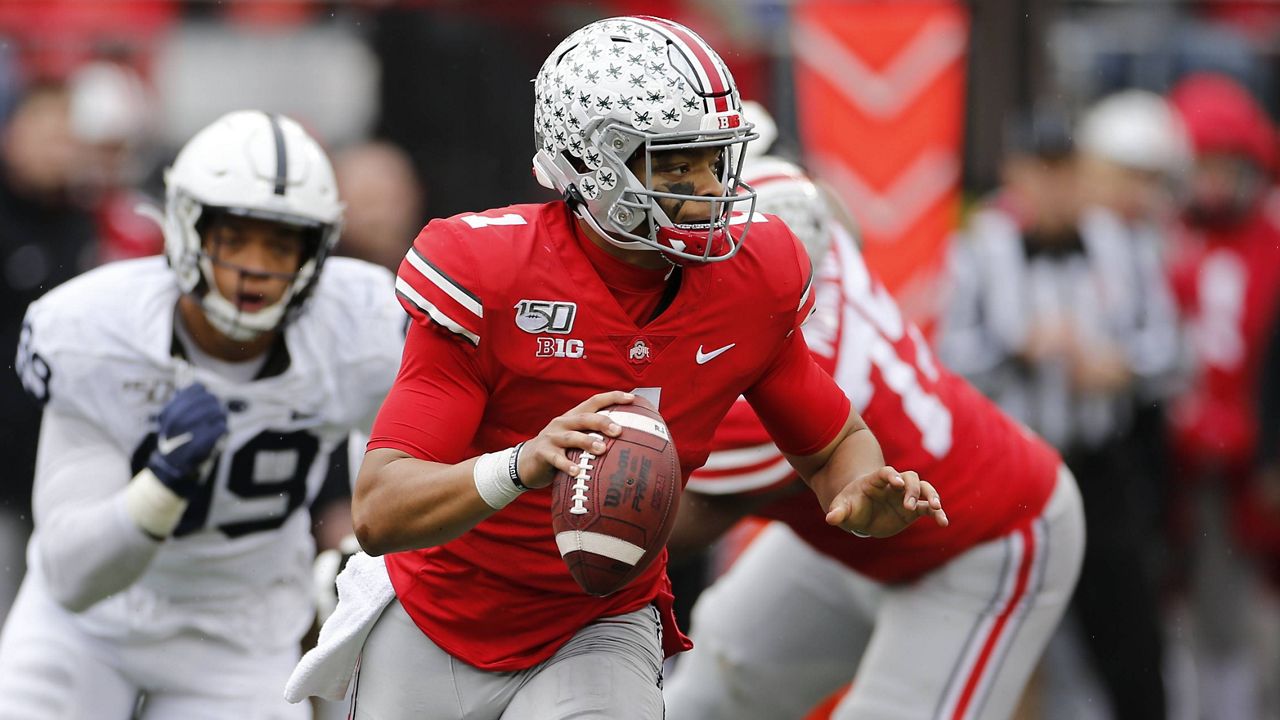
x,y
545,316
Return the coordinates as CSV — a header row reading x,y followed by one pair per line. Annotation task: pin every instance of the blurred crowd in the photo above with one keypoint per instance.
x,y
1118,294
1114,284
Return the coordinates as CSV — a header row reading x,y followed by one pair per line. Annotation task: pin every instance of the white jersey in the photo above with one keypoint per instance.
x,y
102,348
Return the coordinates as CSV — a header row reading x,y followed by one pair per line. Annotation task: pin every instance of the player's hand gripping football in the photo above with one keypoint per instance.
x,y
191,426
542,456
885,502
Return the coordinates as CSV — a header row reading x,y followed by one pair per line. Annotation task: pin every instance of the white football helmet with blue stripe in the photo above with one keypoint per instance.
x,y
252,164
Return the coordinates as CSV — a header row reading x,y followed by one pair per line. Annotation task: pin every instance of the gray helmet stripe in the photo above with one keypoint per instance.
x,y
282,158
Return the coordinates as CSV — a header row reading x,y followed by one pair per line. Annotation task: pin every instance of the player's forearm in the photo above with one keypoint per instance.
x,y
855,453
402,503
89,545
90,552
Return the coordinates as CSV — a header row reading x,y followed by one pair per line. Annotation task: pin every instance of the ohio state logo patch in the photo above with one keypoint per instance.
x,y
640,351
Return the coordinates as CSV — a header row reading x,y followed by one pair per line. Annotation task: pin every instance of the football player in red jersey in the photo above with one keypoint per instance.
x,y
530,318
930,623
1225,274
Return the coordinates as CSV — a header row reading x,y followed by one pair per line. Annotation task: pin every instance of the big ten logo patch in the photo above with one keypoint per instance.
x,y
545,316
549,347
722,121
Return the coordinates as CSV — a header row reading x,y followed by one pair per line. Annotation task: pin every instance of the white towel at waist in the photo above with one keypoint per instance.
x,y
364,590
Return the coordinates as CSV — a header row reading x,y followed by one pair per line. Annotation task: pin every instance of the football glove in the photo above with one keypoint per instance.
x,y
191,426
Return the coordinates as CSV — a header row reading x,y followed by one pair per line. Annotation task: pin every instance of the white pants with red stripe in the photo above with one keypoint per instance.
x,y
787,626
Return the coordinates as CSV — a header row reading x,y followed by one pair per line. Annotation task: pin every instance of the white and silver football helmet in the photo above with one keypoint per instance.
x,y
627,85
786,191
251,164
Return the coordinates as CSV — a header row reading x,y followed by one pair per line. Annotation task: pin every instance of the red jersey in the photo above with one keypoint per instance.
x,y
1227,285
992,473
514,326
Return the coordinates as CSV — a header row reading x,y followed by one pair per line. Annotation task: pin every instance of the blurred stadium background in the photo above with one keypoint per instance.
x,y
902,108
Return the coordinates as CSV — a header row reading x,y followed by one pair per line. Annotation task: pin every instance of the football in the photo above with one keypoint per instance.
x,y
614,518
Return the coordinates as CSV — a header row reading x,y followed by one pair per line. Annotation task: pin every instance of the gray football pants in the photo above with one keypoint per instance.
x,y
610,670
787,625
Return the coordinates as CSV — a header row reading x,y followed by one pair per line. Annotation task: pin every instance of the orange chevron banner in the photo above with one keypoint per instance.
x,y
880,89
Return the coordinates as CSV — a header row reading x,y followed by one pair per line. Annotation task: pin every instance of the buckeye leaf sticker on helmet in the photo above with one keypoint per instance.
x,y
624,89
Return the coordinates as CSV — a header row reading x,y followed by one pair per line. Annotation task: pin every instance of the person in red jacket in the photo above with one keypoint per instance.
x,y
1226,278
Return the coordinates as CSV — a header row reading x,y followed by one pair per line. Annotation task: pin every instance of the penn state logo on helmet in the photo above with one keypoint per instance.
x,y
627,85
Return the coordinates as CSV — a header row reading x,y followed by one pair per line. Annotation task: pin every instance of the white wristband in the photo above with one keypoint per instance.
x,y
493,478
155,508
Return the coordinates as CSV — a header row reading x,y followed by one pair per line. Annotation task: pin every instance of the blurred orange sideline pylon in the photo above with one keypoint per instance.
x,y
880,97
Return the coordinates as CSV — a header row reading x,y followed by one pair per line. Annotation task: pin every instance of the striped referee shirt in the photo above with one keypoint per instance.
x,y
1110,286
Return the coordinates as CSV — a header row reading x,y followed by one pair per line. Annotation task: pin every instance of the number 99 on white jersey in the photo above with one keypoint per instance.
x,y
102,348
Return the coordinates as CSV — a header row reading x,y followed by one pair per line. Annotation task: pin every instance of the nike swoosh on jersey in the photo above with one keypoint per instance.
x,y
167,445
705,357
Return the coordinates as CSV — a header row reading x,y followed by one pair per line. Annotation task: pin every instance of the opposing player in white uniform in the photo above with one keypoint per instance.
x,y
929,623
191,403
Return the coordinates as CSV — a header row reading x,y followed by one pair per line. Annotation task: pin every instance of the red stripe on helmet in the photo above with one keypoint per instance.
x,y
703,54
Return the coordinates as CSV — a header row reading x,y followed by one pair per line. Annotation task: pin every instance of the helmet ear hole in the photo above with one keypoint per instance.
x,y
576,163
209,215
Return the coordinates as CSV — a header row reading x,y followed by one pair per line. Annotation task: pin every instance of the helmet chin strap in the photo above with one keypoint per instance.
x,y
237,325
228,319
671,235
